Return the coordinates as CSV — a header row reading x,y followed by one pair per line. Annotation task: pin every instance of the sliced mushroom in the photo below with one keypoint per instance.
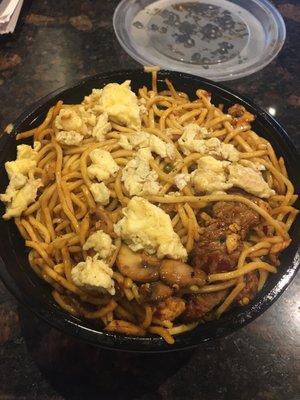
x,y
136,266
154,292
175,272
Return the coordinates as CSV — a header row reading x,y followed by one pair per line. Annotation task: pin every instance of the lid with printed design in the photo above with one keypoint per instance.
x,y
215,39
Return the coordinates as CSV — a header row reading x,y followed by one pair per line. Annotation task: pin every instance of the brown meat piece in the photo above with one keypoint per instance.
x,y
250,290
170,209
154,292
210,252
48,175
231,212
213,257
200,304
170,309
240,114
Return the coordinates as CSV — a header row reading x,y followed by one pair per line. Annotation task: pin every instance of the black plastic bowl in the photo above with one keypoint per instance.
x,y
35,293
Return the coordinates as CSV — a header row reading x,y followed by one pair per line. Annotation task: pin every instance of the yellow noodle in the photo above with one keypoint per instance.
x,y
63,304
44,232
164,333
118,188
37,246
229,299
213,288
263,276
27,226
252,266
164,323
148,317
176,330
122,313
112,305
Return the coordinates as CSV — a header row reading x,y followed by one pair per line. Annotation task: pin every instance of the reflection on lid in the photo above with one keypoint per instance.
x,y
197,33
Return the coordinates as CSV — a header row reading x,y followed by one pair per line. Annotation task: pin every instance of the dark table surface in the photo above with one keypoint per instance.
x,y
59,41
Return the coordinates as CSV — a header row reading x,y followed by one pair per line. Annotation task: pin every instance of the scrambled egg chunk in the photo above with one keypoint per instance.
x,y
210,175
21,198
124,142
119,102
71,118
225,151
101,242
26,160
21,190
147,227
250,180
94,274
181,180
115,102
138,177
194,140
141,140
100,193
214,176
103,165
102,127
70,138
92,101
72,124
16,182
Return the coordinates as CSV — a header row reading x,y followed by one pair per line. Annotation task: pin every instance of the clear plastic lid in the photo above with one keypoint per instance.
x,y
216,39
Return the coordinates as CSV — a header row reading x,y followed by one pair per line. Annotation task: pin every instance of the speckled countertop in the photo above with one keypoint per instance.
x,y
59,41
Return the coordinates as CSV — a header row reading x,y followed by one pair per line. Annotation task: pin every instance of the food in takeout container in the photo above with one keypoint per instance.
x,y
150,212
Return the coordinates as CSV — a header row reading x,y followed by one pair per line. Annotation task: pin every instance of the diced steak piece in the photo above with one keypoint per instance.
x,y
170,309
200,304
240,114
214,259
232,212
170,209
210,253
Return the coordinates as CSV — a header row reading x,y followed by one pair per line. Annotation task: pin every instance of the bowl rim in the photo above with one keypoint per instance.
x,y
69,324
